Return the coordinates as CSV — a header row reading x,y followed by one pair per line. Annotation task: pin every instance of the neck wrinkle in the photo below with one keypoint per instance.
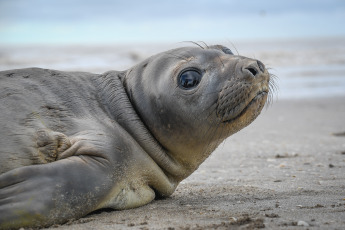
x,y
117,103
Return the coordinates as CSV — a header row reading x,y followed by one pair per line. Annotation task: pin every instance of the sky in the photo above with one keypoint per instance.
x,y
129,21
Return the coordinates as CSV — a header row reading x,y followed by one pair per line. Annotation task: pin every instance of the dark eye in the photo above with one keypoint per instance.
x,y
189,79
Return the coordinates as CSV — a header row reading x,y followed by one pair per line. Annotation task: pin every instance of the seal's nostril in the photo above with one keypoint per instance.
x,y
261,66
252,70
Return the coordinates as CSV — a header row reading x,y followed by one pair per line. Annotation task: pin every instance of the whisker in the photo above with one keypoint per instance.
x,y
232,44
273,83
205,44
273,88
195,43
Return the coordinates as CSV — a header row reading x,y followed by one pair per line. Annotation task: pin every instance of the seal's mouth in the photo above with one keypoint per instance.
x,y
259,96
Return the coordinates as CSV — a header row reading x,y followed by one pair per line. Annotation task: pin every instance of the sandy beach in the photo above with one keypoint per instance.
x,y
284,171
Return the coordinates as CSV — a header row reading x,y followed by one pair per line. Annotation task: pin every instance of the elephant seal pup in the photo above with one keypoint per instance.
x,y
73,142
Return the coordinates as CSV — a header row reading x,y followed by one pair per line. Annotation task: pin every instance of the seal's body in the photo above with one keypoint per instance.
x,y
73,142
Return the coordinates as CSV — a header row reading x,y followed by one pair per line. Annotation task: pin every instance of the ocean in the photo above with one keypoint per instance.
x,y
305,68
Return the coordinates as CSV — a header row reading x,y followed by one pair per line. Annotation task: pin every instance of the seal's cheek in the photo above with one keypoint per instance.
x,y
249,114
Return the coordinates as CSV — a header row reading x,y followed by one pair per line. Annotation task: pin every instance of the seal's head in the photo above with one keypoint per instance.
x,y
192,98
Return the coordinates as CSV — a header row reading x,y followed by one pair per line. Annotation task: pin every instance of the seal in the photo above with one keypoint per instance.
x,y
74,142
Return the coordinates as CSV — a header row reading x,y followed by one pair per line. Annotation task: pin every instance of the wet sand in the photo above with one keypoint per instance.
x,y
284,171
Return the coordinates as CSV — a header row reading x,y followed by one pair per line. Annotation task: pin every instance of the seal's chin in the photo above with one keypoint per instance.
x,y
254,106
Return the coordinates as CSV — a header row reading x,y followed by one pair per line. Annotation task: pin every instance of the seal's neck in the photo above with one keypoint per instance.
x,y
117,103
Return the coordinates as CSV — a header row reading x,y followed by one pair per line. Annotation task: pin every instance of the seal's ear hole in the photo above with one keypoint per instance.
x,y
189,79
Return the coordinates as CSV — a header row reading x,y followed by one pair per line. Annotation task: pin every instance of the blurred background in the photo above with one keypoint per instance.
x,y
303,41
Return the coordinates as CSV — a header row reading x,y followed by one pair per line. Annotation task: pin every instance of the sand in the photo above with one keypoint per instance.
x,y
284,171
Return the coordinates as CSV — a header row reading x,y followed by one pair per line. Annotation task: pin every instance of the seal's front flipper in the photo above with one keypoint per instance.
x,y
42,195
51,144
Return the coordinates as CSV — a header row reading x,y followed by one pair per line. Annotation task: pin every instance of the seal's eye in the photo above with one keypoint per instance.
x,y
189,79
